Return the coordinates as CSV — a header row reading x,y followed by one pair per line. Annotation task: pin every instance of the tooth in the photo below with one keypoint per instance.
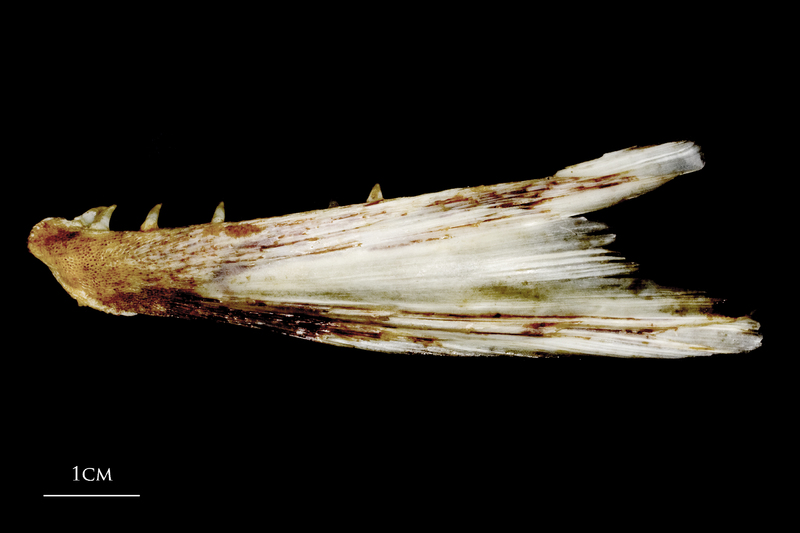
x,y
104,218
375,195
151,221
489,270
219,213
88,217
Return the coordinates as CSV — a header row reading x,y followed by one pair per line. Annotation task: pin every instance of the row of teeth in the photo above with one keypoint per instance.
x,y
99,217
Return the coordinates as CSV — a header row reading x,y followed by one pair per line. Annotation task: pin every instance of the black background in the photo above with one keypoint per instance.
x,y
194,410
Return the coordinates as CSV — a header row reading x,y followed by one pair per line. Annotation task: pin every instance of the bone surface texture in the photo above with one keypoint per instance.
x,y
507,269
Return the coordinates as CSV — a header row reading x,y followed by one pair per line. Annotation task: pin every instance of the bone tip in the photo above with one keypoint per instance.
x,y
219,214
151,221
375,195
101,223
89,216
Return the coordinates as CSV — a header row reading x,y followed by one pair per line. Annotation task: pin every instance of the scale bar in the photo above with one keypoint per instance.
x,y
91,495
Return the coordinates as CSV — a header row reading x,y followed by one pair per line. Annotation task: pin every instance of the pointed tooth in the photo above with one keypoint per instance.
x,y
103,218
88,217
151,221
333,203
219,213
375,195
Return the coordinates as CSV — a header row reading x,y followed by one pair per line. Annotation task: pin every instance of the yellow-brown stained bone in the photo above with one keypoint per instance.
x,y
151,221
375,195
219,214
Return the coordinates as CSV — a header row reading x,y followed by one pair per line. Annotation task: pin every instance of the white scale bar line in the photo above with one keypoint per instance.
x,y
90,495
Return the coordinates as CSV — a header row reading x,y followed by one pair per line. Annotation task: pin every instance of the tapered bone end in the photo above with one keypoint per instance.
x,y
664,161
151,222
88,218
375,195
97,218
219,214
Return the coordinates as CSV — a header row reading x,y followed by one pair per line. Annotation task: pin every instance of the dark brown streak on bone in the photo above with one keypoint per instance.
x,y
320,322
237,229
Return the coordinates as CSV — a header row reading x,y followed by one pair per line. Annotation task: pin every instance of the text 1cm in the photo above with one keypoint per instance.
x,y
92,474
